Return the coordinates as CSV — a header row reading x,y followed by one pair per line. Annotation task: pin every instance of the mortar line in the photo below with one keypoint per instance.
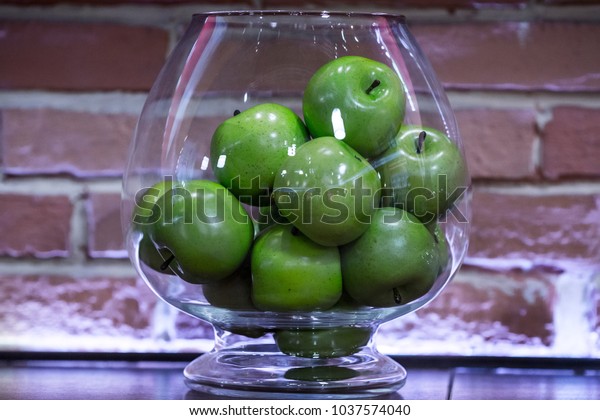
x,y
48,186
114,102
540,188
79,234
121,268
520,99
542,116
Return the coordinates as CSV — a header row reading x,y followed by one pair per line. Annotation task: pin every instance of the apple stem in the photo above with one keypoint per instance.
x,y
236,112
397,297
421,141
373,86
295,231
168,261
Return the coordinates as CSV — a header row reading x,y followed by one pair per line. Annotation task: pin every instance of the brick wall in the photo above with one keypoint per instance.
x,y
523,76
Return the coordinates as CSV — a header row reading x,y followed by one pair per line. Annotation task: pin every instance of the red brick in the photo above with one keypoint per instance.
x,y
36,226
48,141
480,309
555,230
80,56
105,238
498,143
572,143
555,56
44,309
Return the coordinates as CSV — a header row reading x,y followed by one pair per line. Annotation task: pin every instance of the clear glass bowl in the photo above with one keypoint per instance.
x,y
233,66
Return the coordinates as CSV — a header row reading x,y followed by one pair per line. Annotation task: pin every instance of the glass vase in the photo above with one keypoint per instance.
x,y
296,179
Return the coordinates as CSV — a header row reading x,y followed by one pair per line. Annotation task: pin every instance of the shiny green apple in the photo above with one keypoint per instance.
x,y
425,172
142,218
328,191
233,292
292,273
357,100
322,342
395,262
247,149
204,228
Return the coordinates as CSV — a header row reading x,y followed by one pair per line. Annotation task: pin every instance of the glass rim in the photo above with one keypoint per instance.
x,y
282,12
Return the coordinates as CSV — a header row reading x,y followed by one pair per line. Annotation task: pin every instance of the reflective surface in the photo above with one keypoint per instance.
x,y
118,380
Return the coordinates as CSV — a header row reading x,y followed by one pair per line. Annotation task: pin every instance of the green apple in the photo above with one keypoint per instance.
x,y
233,292
247,149
154,257
292,273
424,170
395,262
204,228
328,191
146,199
322,342
144,202
357,100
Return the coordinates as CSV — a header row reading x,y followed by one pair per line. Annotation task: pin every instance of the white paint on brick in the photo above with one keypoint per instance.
x,y
594,315
449,340
511,262
163,321
572,327
544,116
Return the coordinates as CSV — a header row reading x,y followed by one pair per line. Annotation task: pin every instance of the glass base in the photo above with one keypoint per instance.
x,y
256,369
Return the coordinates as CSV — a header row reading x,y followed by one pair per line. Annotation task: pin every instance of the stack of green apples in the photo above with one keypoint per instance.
x,y
333,211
